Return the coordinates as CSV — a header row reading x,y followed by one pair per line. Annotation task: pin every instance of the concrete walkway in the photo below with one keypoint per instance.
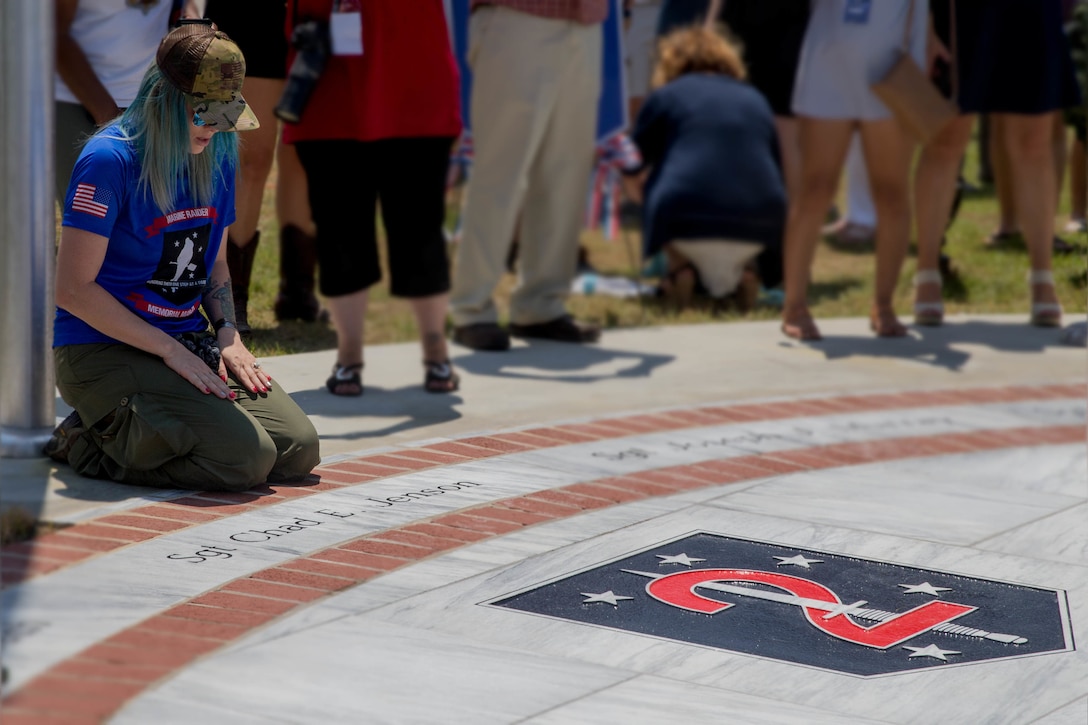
x,y
683,522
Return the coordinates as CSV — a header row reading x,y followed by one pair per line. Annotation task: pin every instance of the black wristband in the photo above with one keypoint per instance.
x,y
221,323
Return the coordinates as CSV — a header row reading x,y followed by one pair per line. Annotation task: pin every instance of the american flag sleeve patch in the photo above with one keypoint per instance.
x,y
92,200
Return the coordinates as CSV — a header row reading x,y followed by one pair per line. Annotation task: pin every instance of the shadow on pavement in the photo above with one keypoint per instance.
x,y
563,362
940,346
410,407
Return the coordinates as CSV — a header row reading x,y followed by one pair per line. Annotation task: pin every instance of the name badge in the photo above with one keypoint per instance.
x,y
857,11
346,33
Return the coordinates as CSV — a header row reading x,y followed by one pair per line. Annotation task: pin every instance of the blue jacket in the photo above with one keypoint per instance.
x,y
715,173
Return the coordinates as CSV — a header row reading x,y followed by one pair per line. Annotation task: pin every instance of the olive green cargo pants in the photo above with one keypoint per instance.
x,y
148,426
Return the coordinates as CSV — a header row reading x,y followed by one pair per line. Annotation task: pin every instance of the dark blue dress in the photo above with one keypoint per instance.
x,y
1012,56
711,145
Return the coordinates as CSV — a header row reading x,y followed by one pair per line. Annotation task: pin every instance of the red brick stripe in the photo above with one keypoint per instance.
x,y
21,562
98,681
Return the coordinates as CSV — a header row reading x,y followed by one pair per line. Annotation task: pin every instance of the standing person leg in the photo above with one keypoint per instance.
x,y
858,224
888,153
1060,141
412,196
298,247
553,215
348,313
788,130
507,125
934,190
824,144
255,158
1078,189
347,245
1029,142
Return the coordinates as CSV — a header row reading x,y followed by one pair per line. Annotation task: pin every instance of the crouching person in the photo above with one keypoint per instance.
x,y
160,399
714,197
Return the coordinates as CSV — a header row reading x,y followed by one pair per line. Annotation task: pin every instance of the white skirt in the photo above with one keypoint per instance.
x,y
718,262
841,60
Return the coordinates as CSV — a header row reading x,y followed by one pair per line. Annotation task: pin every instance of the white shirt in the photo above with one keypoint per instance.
x,y
120,41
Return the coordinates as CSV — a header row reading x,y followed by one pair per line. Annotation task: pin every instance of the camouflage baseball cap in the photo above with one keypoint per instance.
x,y
206,65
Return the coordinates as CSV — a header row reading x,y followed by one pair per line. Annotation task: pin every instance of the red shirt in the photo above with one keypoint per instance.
x,y
404,85
581,11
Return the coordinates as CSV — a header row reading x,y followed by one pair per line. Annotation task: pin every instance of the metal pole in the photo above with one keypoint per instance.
x,y
27,227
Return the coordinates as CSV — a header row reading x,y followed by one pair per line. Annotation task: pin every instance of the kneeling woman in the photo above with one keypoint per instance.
x,y
161,400
715,198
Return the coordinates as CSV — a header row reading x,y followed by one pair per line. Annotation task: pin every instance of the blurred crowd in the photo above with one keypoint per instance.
x,y
748,117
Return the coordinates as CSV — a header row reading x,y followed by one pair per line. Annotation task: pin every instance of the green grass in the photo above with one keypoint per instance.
x,y
990,281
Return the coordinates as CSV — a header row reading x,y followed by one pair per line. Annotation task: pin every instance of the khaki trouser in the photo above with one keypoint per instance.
x,y
148,426
535,88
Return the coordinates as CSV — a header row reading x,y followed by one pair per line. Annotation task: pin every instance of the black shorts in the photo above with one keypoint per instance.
x,y
347,181
257,26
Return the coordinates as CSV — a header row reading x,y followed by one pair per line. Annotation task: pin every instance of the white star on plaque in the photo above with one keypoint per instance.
x,y
608,597
923,588
798,560
677,559
930,651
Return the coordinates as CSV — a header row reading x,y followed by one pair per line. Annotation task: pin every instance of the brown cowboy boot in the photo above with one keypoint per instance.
x,y
240,264
298,261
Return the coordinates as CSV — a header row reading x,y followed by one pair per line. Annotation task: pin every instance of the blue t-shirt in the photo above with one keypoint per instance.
x,y
156,264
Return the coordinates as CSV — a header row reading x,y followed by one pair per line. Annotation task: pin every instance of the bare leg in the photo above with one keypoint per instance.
x,y
1060,142
292,201
823,151
1031,157
431,315
934,190
789,148
255,154
1078,182
888,152
349,318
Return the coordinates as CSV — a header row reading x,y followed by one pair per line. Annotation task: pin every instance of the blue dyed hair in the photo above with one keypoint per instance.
x,y
157,124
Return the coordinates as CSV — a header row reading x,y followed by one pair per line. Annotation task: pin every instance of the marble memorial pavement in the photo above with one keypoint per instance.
x,y
912,556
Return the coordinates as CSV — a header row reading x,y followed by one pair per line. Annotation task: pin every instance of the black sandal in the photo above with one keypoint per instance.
x,y
440,377
346,380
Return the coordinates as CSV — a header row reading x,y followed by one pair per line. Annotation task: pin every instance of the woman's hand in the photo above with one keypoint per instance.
x,y
196,371
240,362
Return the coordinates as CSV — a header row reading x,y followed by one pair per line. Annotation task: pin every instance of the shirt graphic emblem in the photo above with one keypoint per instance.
x,y
181,273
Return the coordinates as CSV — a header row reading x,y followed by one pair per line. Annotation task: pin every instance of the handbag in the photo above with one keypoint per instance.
x,y
911,96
